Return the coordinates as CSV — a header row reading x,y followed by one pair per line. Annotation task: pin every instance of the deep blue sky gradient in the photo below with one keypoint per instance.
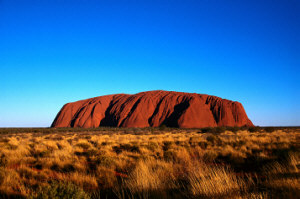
x,y
54,52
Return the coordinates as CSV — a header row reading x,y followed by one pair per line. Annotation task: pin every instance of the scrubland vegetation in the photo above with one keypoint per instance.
x,y
150,163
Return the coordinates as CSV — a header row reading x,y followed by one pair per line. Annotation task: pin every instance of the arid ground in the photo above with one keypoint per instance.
x,y
150,163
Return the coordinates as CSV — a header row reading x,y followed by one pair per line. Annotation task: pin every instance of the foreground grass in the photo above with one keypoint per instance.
x,y
150,163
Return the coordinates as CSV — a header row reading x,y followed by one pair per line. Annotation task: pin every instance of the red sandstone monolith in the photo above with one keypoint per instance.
x,y
153,109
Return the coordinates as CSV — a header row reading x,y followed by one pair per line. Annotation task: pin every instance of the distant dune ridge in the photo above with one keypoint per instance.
x,y
153,109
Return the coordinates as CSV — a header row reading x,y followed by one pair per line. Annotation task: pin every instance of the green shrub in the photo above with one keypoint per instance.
x,y
2,175
269,129
253,129
60,190
106,161
193,141
55,167
152,146
219,129
214,139
210,156
206,130
233,129
169,155
162,127
3,160
203,144
68,168
127,147
167,145
40,154
84,145
12,147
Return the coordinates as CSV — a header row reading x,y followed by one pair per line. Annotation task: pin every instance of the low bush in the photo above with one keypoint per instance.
x,y
269,129
127,147
218,130
3,160
253,129
60,190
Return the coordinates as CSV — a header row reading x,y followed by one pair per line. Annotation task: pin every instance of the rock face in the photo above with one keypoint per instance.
x,y
153,108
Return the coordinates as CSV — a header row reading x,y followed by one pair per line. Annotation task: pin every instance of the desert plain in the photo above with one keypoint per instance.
x,y
107,162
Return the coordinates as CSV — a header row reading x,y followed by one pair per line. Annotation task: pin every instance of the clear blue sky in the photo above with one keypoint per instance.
x,y
54,52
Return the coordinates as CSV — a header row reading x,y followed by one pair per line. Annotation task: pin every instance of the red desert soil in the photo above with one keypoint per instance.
x,y
153,108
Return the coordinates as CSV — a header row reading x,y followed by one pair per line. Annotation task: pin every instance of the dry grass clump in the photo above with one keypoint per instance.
x,y
283,177
149,178
208,182
150,163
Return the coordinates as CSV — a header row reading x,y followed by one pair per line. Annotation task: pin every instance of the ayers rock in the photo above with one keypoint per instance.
x,y
153,108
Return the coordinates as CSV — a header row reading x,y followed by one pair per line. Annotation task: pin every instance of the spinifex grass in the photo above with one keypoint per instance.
x,y
150,163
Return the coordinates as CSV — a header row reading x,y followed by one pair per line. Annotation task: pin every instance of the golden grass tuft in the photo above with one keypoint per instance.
x,y
214,181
